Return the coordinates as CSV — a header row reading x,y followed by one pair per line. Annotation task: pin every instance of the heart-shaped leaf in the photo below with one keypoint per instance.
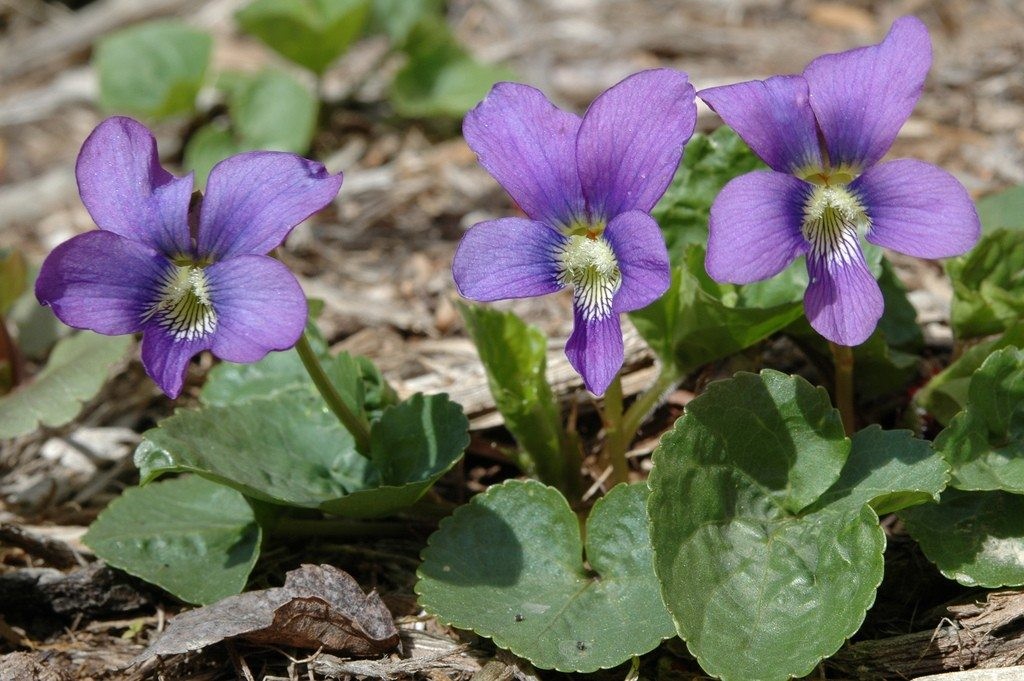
x,y
357,379
758,585
889,469
440,79
946,394
699,320
988,285
976,538
195,538
153,69
984,444
268,110
74,373
509,565
290,450
311,33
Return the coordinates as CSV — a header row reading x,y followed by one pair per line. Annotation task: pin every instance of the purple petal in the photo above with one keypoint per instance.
x,y
754,227
529,146
507,258
166,359
773,117
918,209
127,192
100,281
862,97
260,307
643,260
253,200
631,141
843,302
595,350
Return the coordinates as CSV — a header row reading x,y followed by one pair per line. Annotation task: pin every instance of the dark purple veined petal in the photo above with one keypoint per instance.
x,y
100,281
260,307
773,117
127,192
843,301
861,98
595,350
642,258
918,209
166,359
507,258
754,227
631,141
528,145
253,200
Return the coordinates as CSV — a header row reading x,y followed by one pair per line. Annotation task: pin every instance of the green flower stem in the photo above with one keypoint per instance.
x,y
616,439
646,403
354,423
842,357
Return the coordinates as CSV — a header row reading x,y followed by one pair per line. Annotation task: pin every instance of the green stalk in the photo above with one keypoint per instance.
x,y
842,357
354,423
648,401
615,439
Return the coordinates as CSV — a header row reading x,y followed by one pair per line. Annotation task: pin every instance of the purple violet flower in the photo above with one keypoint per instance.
x,y
587,186
189,279
823,133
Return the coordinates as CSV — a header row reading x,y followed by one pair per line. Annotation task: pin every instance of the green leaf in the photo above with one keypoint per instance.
x,y
988,285
709,163
195,538
76,371
1003,209
758,585
210,145
289,449
311,33
698,320
976,538
272,110
984,444
268,110
153,69
357,379
509,566
13,278
412,445
440,79
398,18
514,356
946,393
889,469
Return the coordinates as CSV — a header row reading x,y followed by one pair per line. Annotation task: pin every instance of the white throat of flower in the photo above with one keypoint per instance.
x,y
183,307
589,264
832,217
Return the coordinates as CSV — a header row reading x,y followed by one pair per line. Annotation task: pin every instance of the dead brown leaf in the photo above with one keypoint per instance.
x,y
319,606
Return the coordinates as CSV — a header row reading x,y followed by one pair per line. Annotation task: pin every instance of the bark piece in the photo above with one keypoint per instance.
x,y
318,607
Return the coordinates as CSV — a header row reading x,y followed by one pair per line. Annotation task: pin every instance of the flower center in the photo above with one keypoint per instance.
x,y
183,306
589,264
832,215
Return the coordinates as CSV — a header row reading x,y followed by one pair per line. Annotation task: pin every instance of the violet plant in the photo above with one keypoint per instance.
x,y
760,528
756,537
